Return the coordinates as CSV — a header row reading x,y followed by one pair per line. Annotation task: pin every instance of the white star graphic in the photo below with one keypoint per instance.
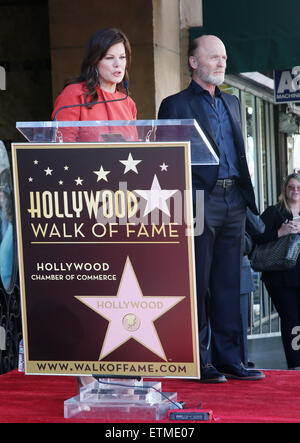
x,y
35,162
66,168
163,167
130,314
156,197
130,164
78,181
101,174
48,171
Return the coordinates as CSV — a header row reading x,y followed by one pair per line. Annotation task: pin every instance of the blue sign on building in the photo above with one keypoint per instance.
x,y
287,85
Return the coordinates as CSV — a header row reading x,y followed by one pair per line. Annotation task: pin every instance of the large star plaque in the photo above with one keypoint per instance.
x,y
130,314
106,258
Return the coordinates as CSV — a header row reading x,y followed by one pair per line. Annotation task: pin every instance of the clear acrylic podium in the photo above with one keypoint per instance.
x,y
118,131
122,398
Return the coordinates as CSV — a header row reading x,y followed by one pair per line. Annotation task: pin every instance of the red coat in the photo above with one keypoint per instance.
x,y
119,110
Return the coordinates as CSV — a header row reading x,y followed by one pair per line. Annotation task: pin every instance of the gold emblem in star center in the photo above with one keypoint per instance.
x,y
131,322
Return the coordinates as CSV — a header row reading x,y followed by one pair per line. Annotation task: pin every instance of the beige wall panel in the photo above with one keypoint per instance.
x,y
68,61
166,48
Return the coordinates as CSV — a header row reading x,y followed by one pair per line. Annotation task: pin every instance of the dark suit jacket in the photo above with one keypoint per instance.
x,y
185,105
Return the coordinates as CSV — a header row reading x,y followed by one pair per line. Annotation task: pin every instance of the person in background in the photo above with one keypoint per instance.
x,y
6,244
284,286
228,191
104,71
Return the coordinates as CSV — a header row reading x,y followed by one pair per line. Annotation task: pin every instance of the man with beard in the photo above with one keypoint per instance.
x,y
228,191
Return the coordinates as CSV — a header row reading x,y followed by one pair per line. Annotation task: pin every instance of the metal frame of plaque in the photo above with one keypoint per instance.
x,y
106,271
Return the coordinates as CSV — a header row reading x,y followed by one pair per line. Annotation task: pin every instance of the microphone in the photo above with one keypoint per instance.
x,y
125,84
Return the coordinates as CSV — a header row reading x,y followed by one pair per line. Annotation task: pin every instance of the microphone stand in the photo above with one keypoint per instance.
x,y
125,83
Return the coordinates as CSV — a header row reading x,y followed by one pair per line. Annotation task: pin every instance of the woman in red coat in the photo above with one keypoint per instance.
x,y
104,69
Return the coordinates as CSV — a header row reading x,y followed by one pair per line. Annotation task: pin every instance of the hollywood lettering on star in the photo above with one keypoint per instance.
x,y
106,265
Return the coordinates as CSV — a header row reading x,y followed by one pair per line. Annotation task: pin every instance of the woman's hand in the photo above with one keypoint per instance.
x,y
292,227
296,226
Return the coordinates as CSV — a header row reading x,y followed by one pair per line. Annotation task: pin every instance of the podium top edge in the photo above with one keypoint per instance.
x,y
87,123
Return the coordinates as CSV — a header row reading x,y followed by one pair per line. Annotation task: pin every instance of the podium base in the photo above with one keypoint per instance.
x,y
118,399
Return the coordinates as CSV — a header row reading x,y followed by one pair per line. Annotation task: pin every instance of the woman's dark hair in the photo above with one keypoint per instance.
x,y
95,49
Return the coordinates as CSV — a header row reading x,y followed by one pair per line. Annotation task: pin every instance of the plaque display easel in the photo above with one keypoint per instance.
x,y
131,319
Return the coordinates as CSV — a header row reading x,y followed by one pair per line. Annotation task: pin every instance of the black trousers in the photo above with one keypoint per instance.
x,y
287,303
218,253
